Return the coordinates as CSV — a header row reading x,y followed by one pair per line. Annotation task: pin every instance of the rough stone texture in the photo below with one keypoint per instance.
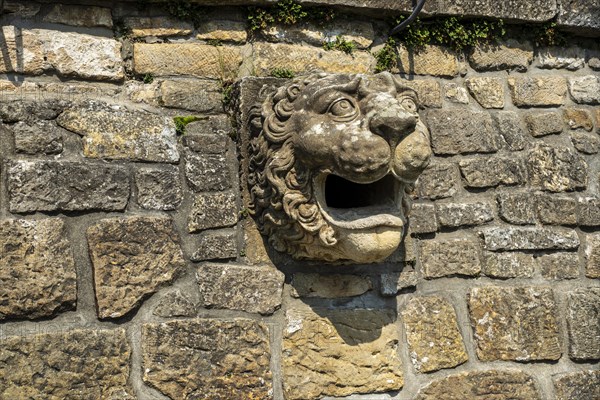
x,y
340,352
157,26
462,131
571,58
88,16
393,283
360,33
529,238
454,215
203,96
37,270
158,188
432,334
559,266
556,169
207,172
578,118
517,208
215,245
40,137
240,287
210,135
488,91
66,185
586,143
579,15
497,57
583,316
492,171
456,93
225,31
31,110
557,209
175,304
302,59
422,218
329,286
507,384
428,90
592,255
213,210
22,8
508,265
514,323
132,258
544,123
509,124
430,60
577,385
585,89
538,91
451,256
588,211
118,134
220,62
438,181
208,359
71,365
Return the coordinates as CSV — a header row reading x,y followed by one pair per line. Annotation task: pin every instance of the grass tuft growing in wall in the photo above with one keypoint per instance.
x,y
287,12
340,44
282,73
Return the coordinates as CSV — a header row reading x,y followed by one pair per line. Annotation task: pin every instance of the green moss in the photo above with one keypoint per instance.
x,y
548,34
287,12
148,78
181,122
340,44
282,73
387,58
227,93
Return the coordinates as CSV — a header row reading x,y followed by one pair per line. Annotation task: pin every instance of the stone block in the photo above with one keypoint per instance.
x,y
157,26
456,93
577,118
432,334
203,96
360,33
207,172
438,181
592,255
37,270
394,282
508,55
213,245
428,90
340,352
517,208
553,57
588,211
556,169
586,143
210,135
557,266
132,258
40,137
577,385
222,31
22,8
430,60
462,131
213,210
87,16
507,265
579,15
158,188
529,238
450,256
556,209
66,186
493,171
454,215
497,313
175,304
422,218
544,123
585,89
240,287
487,91
539,91
329,286
583,314
207,359
509,125
31,110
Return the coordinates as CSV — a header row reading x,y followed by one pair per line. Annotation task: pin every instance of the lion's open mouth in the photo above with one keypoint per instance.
x,y
354,205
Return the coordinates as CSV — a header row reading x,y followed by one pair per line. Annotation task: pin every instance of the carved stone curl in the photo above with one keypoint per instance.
x,y
332,164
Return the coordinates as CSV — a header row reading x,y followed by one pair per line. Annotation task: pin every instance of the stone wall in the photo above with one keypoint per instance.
x,y
130,269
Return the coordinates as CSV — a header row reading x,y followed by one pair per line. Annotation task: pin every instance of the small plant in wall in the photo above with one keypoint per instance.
x,y
548,34
282,73
341,44
387,57
182,121
286,12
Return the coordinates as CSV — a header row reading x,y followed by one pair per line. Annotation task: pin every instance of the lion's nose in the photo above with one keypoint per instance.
x,y
393,123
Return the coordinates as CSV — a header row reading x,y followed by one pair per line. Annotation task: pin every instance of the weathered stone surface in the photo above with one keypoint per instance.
x,y
462,131
240,287
428,90
492,171
301,59
206,172
538,91
213,245
529,238
583,316
422,218
213,210
340,352
578,118
393,283
40,137
556,169
132,258
509,124
224,31
517,208
158,188
592,255
405,253
488,91
588,211
557,209
210,135
432,334
585,89
175,304
544,123
586,143
430,60
438,181
31,110
22,8
157,26
508,265
37,270
456,93
571,58
329,286
454,215
66,185
577,385
450,256
196,95
511,54
208,359
220,62
79,364
117,134
594,63
88,16
507,384
579,15
558,266
514,323
360,33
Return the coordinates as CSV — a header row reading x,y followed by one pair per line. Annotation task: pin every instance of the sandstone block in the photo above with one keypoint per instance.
x,y
88,16
488,91
529,238
31,110
40,137
588,211
195,95
577,118
498,312
428,90
508,265
340,352
66,185
240,287
157,26
207,359
592,255
175,304
225,31
508,55
538,91
422,218
360,33
329,286
509,124
557,209
207,172
585,89
571,58
557,169
213,210
517,208
132,258
586,143
543,123
432,334
158,188
492,171
583,315
451,256
577,385
559,266
37,270
210,135
454,215
430,60
393,283
437,181
213,245
456,93
462,131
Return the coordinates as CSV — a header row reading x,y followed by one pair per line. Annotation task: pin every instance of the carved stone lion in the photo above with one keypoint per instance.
x,y
330,169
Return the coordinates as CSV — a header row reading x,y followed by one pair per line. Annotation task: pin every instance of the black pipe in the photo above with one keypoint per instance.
x,y
410,19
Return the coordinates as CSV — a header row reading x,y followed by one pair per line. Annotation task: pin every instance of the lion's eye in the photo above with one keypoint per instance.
x,y
342,108
409,104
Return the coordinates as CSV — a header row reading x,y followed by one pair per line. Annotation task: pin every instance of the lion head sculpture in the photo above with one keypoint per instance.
x,y
332,163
